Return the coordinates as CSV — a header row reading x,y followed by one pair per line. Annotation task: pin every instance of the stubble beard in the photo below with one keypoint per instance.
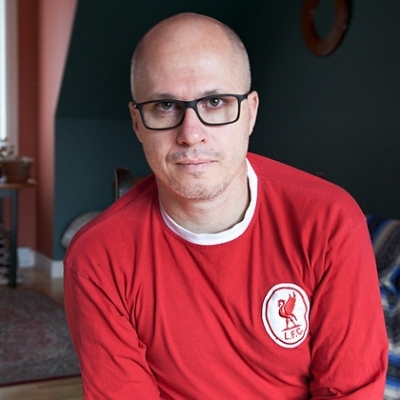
x,y
198,189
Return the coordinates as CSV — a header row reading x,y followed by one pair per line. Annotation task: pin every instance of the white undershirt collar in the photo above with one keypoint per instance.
x,y
220,237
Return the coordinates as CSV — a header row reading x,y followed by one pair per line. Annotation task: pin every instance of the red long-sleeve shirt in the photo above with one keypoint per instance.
x,y
285,305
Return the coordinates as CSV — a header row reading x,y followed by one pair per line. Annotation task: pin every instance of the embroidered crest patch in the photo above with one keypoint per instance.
x,y
285,314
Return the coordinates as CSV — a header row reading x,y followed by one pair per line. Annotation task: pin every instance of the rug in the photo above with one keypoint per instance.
x,y
34,340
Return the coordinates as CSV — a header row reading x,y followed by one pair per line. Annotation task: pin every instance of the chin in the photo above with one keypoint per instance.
x,y
199,192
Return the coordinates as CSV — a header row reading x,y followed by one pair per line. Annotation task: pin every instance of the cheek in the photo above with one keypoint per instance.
x,y
240,140
155,152
239,146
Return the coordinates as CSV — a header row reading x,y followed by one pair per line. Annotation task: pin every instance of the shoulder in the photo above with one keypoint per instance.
x,y
302,193
121,216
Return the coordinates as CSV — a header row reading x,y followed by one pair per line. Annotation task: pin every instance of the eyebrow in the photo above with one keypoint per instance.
x,y
168,96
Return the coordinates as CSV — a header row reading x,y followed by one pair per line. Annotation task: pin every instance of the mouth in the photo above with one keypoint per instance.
x,y
194,162
194,167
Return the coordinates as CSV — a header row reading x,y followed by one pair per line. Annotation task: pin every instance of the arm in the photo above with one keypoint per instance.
x,y
349,341
112,358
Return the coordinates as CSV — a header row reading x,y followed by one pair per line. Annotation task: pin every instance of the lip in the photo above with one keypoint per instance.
x,y
195,162
195,166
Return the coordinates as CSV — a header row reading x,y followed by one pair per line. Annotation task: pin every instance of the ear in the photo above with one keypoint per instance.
x,y
253,102
136,120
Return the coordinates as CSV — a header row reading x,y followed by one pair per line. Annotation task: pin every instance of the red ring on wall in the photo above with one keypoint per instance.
x,y
324,46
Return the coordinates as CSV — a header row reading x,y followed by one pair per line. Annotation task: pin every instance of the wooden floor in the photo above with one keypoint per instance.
x,y
60,389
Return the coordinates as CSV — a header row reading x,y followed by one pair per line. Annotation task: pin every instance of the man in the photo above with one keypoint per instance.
x,y
225,275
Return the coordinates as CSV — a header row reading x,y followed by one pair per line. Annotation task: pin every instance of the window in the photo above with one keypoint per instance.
x,y
8,72
3,72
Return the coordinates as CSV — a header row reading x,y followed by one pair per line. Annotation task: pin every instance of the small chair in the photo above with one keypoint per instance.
x,y
123,181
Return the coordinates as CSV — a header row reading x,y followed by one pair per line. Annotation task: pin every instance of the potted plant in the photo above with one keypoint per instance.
x,y
14,168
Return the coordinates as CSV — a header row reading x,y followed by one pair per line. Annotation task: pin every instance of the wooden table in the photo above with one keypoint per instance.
x,y
10,190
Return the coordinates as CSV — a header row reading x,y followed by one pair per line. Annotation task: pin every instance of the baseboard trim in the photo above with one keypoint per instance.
x,y
25,257
51,268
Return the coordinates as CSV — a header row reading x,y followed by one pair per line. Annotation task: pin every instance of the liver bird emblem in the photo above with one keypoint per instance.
x,y
286,308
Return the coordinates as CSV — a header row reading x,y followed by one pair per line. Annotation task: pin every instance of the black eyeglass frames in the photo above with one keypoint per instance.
x,y
214,109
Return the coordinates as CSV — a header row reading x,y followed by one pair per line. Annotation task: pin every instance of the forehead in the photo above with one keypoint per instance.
x,y
187,62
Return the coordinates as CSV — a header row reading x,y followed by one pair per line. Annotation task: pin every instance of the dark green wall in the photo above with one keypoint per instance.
x,y
338,114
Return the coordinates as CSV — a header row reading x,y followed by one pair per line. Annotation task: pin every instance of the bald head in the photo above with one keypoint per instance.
x,y
189,34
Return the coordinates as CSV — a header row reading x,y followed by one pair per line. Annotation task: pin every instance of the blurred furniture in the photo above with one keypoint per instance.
x,y
124,181
10,190
385,238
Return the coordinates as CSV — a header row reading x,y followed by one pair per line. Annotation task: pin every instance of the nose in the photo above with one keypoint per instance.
x,y
192,130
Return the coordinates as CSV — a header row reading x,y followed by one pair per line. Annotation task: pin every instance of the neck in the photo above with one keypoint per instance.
x,y
209,216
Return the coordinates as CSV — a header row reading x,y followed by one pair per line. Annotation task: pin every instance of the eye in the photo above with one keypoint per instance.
x,y
165,105
214,102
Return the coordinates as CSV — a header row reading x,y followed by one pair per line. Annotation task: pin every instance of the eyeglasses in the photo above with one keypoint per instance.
x,y
215,109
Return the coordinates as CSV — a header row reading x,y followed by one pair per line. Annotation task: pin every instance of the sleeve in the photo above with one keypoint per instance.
x,y
112,357
348,333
